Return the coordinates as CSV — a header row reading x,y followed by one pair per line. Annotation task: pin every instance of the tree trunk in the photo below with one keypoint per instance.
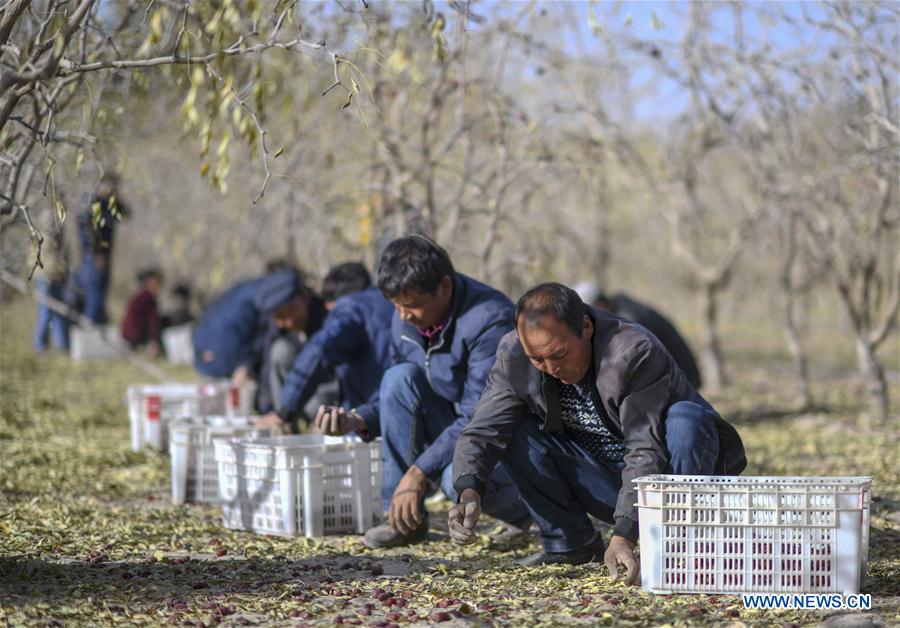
x,y
711,355
791,328
873,375
795,346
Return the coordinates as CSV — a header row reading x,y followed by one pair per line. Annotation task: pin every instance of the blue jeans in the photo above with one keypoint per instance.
x,y
561,483
50,321
412,417
95,282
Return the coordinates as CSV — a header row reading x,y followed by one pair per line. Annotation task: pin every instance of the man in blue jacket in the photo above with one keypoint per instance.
x,y
231,338
445,333
354,343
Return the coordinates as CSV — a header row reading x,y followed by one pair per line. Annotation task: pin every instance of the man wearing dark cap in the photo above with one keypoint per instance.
x,y
294,321
354,343
250,329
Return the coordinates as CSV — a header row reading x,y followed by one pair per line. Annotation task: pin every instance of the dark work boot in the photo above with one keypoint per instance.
x,y
587,553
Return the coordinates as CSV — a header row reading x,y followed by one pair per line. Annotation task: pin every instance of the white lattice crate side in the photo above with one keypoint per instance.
x,y
96,343
251,504
753,534
291,484
333,482
347,496
250,494
194,470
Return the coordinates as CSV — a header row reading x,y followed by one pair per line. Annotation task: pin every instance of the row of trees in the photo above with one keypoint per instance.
x,y
533,140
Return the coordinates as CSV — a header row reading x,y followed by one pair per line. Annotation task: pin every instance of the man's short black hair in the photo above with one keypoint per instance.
x,y
182,290
552,299
344,279
147,273
412,263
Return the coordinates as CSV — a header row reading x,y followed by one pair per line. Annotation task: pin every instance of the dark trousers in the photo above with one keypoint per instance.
x,y
412,417
561,483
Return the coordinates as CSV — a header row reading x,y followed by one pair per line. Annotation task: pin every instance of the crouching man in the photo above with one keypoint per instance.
x,y
578,404
445,331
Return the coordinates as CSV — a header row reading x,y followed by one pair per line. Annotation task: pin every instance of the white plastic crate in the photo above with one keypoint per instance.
x,y
194,470
307,484
753,534
177,342
151,407
97,343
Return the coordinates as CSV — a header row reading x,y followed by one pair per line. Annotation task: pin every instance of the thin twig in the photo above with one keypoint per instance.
x,y
262,131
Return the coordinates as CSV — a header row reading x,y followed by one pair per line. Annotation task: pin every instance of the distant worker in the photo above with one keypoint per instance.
x,y
354,343
96,227
141,326
240,334
647,317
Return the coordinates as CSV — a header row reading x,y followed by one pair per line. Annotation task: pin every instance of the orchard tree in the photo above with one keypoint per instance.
x,y
67,65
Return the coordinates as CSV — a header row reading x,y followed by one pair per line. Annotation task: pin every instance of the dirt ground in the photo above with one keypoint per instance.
x,y
88,535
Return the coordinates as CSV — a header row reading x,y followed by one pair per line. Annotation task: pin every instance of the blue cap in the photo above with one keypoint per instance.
x,y
277,289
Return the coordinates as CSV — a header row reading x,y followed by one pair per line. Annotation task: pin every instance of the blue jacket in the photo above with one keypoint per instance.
x,y
458,363
355,343
234,328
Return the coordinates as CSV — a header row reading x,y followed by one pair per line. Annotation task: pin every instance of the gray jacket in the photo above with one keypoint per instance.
x,y
636,380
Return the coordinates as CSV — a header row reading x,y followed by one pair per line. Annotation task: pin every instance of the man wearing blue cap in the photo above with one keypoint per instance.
x,y
354,343
254,329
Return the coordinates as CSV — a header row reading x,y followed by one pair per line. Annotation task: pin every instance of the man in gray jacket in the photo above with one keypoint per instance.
x,y
578,404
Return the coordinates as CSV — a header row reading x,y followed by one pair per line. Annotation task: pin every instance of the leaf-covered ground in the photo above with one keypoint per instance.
x,y
88,535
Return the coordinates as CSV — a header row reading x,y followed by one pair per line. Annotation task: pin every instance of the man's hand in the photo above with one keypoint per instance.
x,y
273,421
464,516
335,421
153,350
405,515
240,375
621,552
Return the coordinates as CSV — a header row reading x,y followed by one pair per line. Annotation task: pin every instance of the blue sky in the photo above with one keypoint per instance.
x,y
667,22
663,22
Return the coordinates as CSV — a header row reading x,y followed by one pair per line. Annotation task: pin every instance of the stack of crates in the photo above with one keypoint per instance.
x,y
705,534
194,470
152,407
306,484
